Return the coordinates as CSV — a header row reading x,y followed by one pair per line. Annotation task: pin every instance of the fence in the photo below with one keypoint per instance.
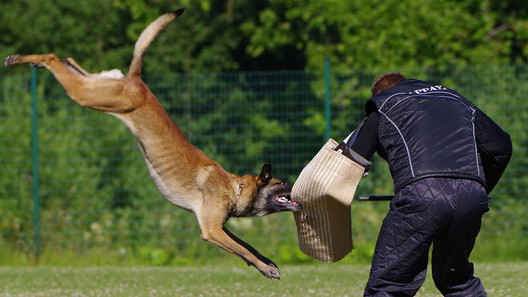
x,y
73,184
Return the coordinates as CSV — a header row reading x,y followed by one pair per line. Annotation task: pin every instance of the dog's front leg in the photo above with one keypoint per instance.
x,y
223,238
253,251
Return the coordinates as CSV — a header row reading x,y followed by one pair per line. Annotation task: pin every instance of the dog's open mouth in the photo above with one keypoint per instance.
x,y
286,199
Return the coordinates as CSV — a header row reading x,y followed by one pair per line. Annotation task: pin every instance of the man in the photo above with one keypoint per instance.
x,y
445,156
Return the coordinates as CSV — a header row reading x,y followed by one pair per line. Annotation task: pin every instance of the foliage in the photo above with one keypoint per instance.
x,y
229,35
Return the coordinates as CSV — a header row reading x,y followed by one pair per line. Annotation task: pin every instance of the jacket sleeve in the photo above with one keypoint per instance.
x,y
366,142
494,146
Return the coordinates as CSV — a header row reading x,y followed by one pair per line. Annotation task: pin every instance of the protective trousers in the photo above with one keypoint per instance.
x,y
443,212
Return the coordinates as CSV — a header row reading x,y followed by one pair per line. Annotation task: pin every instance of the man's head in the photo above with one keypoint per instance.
x,y
386,81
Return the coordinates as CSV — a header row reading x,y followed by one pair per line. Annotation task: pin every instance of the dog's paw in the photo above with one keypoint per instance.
x,y
11,60
270,271
18,59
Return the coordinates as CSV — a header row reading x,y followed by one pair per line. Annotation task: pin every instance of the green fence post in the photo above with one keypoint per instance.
x,y
327,97
35,152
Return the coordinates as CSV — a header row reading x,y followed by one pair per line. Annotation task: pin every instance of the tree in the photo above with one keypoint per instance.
x,y
229,35
390,34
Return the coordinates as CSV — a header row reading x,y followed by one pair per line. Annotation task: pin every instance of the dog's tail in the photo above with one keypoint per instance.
x,y
147,36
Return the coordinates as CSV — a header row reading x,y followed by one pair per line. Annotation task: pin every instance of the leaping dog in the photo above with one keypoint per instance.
x,y
183,174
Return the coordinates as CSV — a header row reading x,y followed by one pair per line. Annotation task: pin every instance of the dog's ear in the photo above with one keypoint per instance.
x,y
265,175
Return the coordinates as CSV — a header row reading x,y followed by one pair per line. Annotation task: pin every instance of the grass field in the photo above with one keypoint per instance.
x,y
503,280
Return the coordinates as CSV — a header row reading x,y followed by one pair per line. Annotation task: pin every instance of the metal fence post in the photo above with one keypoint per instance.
x,y
327,97
35,152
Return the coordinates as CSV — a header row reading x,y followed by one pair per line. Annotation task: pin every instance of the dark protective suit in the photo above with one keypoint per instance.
x,y
444,155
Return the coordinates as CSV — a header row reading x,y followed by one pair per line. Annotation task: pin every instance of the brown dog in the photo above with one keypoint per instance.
x,y
184,175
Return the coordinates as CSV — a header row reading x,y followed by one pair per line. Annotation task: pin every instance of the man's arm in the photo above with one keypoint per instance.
x,y
494,146
366,142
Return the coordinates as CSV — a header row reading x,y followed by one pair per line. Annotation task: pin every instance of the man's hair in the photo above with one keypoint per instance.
x,y
386,81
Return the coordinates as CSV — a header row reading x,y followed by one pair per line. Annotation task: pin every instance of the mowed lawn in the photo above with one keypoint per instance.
x,y
502,279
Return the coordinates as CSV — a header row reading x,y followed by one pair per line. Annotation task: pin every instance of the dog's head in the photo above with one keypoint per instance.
x,y
269,195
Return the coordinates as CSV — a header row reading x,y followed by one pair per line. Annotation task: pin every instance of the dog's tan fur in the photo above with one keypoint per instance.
x,y
183,174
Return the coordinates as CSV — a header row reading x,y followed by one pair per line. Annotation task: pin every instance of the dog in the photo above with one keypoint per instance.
x,y
183,174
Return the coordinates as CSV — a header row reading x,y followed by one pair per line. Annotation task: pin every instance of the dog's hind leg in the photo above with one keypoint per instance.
x,y
35,60
68,79
97,91
72,66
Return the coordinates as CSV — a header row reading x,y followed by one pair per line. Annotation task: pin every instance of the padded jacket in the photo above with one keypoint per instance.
x,y
427,130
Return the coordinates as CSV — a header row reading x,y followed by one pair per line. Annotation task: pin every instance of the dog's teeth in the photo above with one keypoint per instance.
x,y
283,199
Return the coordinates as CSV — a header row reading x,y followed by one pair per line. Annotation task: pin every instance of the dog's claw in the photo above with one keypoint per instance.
x,y
10,60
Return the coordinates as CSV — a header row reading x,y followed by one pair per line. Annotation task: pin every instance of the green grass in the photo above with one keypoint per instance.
x,y
500,279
